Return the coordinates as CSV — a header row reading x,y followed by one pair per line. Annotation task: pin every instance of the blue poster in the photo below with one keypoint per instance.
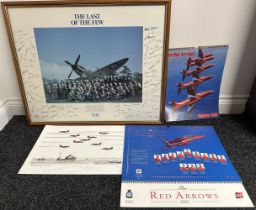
x,y
176,153
193,83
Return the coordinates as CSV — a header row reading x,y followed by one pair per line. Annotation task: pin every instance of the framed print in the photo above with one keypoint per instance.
x,y
90,62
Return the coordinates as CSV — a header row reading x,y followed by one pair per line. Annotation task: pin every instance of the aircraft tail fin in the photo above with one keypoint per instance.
x,y
189,61
179,90
179,87
183,74
196,74
191,91
200,53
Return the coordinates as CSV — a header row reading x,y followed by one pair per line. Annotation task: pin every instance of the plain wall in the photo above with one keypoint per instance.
x,y
211,22
193,22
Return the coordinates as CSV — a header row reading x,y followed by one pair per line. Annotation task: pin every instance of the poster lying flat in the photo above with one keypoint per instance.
x,y
76,150
178,166
193,84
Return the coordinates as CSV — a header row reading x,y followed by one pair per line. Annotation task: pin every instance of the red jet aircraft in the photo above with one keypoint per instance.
x,y
193,83
198,61
195,72
202,55
181,141
191,100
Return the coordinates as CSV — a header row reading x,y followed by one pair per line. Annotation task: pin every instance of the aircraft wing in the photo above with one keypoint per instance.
x,y
108,69
192,97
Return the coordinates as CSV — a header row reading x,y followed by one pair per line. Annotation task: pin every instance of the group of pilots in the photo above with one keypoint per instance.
x,y
109,88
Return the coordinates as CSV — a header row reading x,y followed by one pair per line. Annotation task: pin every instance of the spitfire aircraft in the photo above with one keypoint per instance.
x,y
195,72
193,83
100,72
192,99
181,141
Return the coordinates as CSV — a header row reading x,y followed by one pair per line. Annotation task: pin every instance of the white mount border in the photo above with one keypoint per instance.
x,y
228,104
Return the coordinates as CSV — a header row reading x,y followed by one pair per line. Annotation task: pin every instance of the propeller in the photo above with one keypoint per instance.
x,y
73,66
183,74
68,63
77,60
70,73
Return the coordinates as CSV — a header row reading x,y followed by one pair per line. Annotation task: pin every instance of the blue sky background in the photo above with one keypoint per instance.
x,y
98,46
209,104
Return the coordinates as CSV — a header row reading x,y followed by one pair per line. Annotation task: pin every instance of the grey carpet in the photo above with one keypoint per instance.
x,y
99,192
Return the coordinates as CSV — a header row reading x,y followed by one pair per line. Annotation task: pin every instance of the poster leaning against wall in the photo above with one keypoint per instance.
x,y
193,82
90,61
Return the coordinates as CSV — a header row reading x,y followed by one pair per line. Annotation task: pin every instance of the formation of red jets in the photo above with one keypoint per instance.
x,y
194,97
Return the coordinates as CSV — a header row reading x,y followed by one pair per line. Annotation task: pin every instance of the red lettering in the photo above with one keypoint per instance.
x,y
187,196
194,196
179,195
168,196
153,195
187,54
209,196
174,54
201,196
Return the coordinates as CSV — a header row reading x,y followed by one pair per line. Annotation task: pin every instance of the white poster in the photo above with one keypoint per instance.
x,y
77,150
